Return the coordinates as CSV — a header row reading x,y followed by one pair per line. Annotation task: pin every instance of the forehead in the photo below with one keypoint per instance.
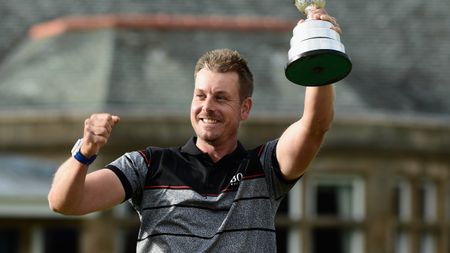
x,y
211,81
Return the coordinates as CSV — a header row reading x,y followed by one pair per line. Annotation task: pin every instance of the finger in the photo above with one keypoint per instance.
x,y
328,18
115,119
332,20
98,127
315,16
315,13
94,133
106,120
103,131
92,144
337,29
95,141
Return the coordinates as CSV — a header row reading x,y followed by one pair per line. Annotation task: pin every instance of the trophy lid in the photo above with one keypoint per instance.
x,y
303,4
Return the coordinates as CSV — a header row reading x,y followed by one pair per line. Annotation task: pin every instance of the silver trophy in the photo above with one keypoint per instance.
x,y
317,56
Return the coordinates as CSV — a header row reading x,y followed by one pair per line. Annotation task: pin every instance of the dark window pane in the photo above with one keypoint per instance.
x,y
61,240
327,201
131,235
327,240
282,234
9,240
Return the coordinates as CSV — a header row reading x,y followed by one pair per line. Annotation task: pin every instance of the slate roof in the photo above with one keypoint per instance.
x,y
19,15
399,51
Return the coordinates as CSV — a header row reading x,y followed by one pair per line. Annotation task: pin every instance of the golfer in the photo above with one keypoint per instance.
x,y
210,194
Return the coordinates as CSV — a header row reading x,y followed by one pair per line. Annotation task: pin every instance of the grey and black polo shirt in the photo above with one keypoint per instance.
x,y
188,203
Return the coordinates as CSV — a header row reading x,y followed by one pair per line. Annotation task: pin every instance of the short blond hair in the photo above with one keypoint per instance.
x,y
227,60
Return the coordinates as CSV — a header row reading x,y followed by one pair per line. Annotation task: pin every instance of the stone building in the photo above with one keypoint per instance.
x,y
379,184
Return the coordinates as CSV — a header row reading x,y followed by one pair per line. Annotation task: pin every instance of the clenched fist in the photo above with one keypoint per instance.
x,y
97,130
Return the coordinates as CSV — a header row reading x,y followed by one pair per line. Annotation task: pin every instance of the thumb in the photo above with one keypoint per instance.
x,y
115,119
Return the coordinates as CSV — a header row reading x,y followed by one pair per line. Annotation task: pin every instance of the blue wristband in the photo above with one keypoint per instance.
x,y
84,160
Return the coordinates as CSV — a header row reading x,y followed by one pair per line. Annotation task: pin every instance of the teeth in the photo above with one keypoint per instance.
x,y
210,121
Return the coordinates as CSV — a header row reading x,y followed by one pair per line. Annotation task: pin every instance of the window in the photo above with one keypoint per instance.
x,y
428,201
402,242
403,201
61,240
334,201
339,197
421,225
427,243
337,240
9,240
295,198
288,237
403,212
127,234
126,239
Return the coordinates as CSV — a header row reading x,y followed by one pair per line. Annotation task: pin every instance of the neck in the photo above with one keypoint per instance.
x,y
217,151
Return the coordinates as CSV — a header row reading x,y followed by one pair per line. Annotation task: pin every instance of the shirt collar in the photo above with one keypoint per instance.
x,y
192,149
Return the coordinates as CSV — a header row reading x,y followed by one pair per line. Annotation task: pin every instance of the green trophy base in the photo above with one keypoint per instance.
x,y
318,67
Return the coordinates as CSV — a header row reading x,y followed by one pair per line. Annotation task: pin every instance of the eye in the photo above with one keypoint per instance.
x,y
220,98
199,96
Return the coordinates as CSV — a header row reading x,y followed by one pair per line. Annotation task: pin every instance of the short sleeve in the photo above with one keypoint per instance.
x,y
278,185
132,168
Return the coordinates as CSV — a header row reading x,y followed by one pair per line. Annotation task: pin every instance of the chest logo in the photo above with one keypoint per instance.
x,y
236,179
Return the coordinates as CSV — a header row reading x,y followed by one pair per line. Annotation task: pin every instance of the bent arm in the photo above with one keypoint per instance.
x,y
301,141
74,192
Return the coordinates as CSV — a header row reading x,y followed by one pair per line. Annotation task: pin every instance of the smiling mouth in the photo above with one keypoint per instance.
x,y
209,121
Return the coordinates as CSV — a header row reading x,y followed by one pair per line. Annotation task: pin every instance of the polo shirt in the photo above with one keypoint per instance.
x,y
186,202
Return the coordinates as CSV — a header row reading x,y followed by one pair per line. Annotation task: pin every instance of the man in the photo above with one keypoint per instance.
x,y
210,195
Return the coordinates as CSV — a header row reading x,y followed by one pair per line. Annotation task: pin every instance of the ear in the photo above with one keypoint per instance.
x,y
246,106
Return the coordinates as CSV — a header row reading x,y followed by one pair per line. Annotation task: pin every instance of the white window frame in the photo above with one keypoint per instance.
x,y
357,197
402,242
429,201
427,243
405,200
294,236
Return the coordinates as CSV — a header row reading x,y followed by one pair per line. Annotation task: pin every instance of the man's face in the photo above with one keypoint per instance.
x,y
216,109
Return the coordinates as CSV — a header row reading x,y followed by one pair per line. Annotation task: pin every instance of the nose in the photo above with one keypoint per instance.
x,y
208,104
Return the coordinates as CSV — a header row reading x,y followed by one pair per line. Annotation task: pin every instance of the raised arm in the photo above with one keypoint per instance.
x,y
74,191
300,143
